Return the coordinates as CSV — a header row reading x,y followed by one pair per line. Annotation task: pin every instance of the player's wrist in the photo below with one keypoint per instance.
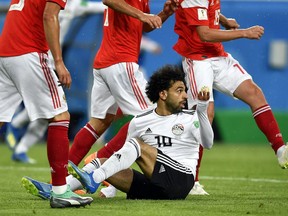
x,y
202,106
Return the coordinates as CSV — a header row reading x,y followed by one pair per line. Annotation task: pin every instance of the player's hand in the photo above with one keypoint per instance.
x,y
204,94
170,7
63,75
254,32
152,20
230,24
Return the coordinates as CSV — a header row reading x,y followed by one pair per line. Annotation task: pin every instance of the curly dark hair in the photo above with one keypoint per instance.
x,y
163,79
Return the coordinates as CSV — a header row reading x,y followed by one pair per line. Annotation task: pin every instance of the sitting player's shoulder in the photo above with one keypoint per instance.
x,y
144,114
188,111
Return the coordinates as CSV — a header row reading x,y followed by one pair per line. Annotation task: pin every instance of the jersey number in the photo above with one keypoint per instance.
x,y
217,17
17,7
163,141
106,21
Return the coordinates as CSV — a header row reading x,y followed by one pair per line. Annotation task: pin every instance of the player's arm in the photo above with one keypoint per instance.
x,y
217,35
168,9
122,6
52,29
206,131
228,23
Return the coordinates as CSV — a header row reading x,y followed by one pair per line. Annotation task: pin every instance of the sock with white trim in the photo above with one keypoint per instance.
x,y
120,160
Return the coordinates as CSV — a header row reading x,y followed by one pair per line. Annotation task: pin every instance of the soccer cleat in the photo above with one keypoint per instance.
x,y
283,159
105,183
89,158
198,189
37,188
68,199
12,136
22,158
80,192
85,178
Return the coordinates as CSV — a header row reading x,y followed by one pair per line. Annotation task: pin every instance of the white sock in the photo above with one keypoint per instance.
x,y
109,192
280,151
34,133
74,183
120,160
20,119
59,189
93,165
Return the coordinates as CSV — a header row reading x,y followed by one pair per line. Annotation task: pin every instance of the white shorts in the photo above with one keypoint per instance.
x,y
223,74
120,85
29,78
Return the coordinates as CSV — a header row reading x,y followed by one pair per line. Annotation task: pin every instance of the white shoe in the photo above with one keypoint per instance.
x,y
108,192
198,189
283,159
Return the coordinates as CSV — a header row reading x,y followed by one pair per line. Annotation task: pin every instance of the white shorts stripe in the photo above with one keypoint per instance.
x,y
191,77
171,163
51,84
137,92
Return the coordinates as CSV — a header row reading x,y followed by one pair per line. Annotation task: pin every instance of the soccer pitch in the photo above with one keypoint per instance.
x,y
241,180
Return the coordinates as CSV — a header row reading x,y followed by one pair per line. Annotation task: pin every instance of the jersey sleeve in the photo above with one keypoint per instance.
x,y
61,3
206,131
196,12
147,8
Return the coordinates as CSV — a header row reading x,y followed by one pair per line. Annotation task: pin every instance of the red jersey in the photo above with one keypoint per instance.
x,y
121,36
191,14
23,30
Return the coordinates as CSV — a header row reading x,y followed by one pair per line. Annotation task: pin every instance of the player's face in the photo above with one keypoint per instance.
x,y
176,97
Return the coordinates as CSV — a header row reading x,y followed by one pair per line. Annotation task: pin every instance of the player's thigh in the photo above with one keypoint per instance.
x,y
102,101
198,75
127,85
39,86
147,160
10,98
175,179
231,74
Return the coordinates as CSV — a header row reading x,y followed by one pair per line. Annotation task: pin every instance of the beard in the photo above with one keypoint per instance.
x,y
174,109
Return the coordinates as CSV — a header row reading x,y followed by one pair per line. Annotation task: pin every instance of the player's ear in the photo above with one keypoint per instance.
x,y
163,94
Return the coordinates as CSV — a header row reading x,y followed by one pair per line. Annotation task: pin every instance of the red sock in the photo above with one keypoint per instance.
x,y
82,143
199,163
115,143
269,126
57,151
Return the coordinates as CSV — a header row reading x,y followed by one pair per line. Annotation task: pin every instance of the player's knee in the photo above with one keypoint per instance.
x,y
136,143
61,117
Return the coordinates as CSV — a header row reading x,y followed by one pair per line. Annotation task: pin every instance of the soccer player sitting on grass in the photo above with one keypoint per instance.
x,y
165,139
164,142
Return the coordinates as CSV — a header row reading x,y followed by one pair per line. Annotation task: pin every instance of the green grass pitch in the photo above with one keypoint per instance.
x,y
241,179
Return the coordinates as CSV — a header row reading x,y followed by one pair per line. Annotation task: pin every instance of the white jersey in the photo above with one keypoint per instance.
x,y
176,135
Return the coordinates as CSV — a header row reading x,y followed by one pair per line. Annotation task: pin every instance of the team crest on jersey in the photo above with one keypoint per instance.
x,y
178,129
196,124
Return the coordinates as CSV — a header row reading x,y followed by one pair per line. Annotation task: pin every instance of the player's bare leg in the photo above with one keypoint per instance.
x,y
252,95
